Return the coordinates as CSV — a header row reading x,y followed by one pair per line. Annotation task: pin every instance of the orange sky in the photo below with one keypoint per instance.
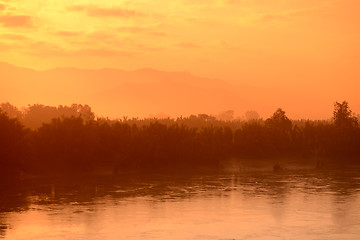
x,y
292,45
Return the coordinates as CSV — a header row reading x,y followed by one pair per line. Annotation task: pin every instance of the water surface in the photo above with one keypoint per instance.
x,y
255,205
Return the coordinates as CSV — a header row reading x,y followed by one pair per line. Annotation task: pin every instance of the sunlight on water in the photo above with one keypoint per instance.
x,y
293,205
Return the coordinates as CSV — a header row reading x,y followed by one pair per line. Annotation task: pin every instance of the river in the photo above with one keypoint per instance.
x,y
303,204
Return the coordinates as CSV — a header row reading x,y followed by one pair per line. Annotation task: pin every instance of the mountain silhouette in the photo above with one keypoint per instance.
x,y
116,93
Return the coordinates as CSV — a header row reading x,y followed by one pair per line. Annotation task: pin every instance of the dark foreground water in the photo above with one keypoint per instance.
x,y
254,205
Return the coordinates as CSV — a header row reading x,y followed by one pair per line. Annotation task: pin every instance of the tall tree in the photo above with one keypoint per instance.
x,y
279,121
343,116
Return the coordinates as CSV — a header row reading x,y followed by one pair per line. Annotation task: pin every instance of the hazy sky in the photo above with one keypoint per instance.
x,y
290,44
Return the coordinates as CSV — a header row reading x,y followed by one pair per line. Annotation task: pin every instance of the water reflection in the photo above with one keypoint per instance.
x,y
286,202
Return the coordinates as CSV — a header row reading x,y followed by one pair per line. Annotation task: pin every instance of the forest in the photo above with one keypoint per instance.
x,y
72,139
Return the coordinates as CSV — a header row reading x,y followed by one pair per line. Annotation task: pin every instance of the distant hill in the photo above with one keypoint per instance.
x,y
117,93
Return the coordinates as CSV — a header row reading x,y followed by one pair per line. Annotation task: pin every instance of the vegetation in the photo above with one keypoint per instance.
x,y
77,142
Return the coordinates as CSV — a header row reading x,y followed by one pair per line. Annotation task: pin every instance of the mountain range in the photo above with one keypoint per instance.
x,y
116,93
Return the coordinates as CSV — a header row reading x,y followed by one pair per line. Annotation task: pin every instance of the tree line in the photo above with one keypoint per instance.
x,y
79,142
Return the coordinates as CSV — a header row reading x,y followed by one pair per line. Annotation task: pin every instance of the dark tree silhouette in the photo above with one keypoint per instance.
x,y
77,142
11,111
343,116
279,121
12,144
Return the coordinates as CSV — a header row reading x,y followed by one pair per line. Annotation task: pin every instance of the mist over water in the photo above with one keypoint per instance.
x,y
298,204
